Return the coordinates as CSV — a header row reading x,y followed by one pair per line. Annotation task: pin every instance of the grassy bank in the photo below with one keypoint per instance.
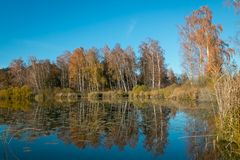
x,y
203,92
57,94
186,92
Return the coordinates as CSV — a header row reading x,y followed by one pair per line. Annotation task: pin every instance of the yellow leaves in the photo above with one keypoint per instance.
x,y
85,70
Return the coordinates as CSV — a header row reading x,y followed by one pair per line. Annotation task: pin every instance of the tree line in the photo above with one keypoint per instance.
x,y
204,53
93,69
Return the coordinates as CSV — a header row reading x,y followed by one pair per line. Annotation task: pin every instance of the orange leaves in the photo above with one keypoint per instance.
x,y
203,49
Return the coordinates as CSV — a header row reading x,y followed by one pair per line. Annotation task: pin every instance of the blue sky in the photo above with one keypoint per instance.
x,y
46,28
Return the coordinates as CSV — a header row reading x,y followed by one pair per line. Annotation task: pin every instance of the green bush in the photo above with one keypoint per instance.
x,y
16,93
138,88
138,91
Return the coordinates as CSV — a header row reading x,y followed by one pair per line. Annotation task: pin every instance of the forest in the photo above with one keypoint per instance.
x,y
209,72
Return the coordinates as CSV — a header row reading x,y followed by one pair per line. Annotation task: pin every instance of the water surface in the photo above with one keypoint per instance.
x,y
98,130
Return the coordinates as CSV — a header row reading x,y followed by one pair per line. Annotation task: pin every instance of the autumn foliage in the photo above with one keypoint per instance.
x,y
88,70
204,52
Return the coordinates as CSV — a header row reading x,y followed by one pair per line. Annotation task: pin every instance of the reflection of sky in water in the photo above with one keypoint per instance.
x,y
50,147
2,128
176,147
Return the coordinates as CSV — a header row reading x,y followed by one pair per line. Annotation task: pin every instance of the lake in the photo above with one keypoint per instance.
x,y
107,130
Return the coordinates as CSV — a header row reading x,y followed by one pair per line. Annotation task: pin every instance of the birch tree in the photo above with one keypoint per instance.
x,y
120,67
39,73
76,72
17,71
204,51
63,64
152,65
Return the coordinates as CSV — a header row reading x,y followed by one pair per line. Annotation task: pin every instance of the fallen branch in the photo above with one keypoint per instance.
x,y
197,136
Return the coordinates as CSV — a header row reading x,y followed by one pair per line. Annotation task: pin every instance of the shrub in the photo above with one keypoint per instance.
x,y
185,93
138,88
138,91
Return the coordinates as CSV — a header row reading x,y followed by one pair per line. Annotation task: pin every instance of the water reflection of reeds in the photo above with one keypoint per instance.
x,y
86,124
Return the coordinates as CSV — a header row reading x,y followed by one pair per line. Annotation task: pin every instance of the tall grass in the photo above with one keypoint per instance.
x,y
228,97
183,92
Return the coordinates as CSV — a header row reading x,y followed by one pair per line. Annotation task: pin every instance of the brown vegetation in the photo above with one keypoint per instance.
x,y
227,93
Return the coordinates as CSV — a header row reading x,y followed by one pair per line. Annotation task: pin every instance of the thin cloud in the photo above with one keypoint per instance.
x,y
131,27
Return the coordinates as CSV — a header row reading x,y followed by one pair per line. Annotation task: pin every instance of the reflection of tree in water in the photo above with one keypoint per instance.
x,y
92,124
85,124
154,127
201,141
34,122
95,124
122,129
